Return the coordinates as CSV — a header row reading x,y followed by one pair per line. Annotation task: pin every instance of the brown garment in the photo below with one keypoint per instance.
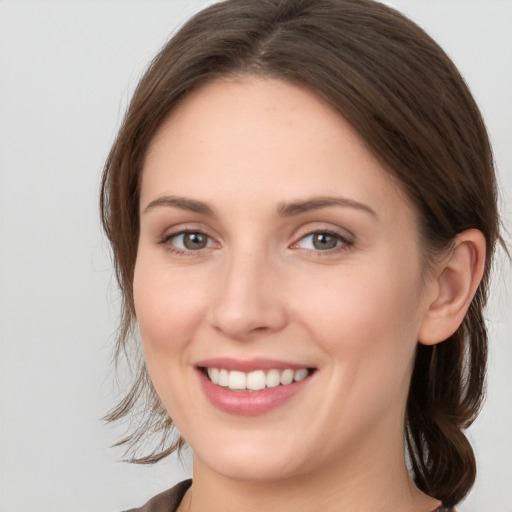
x,y
169,501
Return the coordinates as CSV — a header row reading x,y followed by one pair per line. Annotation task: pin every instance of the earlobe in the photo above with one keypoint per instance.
x,y
457,278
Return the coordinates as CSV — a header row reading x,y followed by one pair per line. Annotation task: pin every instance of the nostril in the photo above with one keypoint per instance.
x,y
259,329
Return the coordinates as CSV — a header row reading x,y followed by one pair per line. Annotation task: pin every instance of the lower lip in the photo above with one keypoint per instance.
x,y
249,403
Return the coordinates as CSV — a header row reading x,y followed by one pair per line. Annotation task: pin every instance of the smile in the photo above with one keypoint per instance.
x,y
252,387
256,380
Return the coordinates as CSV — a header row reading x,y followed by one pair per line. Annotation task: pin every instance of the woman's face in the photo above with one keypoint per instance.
x,y
274,246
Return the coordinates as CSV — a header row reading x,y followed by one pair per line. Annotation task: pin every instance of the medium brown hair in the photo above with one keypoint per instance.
x,y
406,99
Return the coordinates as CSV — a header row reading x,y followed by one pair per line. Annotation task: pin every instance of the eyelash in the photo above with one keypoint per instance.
x,y
167,242
343,243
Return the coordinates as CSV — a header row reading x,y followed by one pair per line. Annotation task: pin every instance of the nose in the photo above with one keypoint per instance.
x,y
249,298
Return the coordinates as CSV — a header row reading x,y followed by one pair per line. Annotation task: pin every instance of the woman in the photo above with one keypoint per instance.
x,y
302,208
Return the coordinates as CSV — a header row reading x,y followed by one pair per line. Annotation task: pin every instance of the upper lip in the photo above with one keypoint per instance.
x,y
249,365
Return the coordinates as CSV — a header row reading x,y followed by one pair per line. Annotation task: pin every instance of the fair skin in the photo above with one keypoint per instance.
x,y
272,239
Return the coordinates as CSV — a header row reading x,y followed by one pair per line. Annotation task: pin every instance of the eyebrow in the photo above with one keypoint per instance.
x,y
317,203
183,203
284,210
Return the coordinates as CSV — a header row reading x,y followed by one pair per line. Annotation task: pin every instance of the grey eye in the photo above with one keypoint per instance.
x,y
321,241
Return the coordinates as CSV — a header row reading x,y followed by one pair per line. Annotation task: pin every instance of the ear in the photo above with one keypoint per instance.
x,y
455,281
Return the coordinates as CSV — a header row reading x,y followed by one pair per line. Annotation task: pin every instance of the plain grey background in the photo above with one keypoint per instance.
x,y
67,69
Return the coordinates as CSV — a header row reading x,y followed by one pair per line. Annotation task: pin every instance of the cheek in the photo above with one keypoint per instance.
x,y
168,312
167,308
367,329
367,323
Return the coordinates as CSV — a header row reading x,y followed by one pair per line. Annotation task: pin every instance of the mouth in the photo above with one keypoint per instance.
x,y
256,380
252,387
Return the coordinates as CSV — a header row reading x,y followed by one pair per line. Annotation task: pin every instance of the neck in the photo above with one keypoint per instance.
x,y
373,480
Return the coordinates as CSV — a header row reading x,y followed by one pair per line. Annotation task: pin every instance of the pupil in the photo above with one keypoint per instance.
x,y
324,241
194,241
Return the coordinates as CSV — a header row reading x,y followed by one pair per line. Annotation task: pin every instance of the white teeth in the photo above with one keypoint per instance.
x,y
223,378
300,374
237,380
273,378
256,380
213,374
287,377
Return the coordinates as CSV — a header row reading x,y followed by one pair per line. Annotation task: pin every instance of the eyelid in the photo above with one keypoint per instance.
x,y
172,233
347,241
345,238
185,227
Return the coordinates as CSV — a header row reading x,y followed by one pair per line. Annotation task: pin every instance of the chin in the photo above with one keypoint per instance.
x,y
253,470
256,460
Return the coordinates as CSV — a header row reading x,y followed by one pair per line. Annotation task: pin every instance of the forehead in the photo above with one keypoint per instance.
x,y
265,137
